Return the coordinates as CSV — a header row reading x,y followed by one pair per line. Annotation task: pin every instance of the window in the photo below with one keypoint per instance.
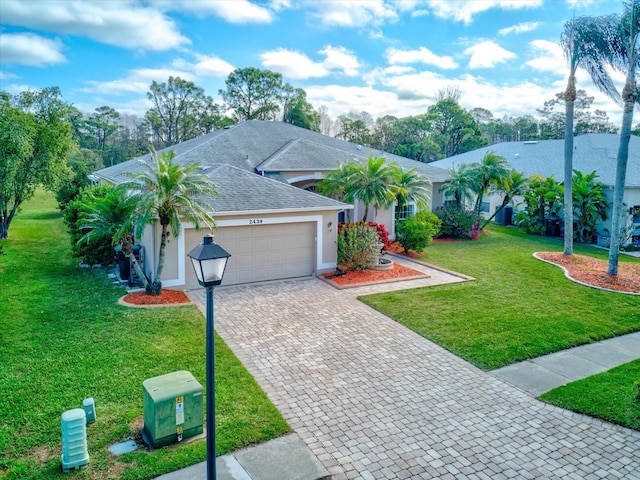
x,y
404,212
484,207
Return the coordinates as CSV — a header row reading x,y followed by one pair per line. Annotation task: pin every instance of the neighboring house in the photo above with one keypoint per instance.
x,y
267,214
592,152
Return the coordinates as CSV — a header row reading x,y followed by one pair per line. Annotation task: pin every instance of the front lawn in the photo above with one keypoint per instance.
x,y
64,338
517,308
609,395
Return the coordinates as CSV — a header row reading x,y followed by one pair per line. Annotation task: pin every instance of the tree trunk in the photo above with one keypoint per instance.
x,y
569,98
505,202
628,95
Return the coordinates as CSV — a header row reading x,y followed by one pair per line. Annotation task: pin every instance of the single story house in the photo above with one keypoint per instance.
x,y
267,213
592,152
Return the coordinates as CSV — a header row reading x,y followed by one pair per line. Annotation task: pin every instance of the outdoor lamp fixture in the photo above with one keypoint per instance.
x,y
209,261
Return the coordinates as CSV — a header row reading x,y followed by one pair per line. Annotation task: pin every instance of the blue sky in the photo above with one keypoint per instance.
x,y
382,57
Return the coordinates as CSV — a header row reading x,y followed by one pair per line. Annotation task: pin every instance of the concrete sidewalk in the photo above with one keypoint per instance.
x,y
285,458
539,375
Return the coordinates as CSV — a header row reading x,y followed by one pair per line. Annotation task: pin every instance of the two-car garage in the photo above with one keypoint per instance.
x,y
261,251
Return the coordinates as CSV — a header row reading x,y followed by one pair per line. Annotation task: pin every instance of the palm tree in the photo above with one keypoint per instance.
x,y
411,186
372,183
167,192
624,32
589,204
111,217
492,171
585,46
515,185
459,185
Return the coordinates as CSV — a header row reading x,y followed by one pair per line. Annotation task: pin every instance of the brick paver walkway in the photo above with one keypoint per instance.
x,y
373,400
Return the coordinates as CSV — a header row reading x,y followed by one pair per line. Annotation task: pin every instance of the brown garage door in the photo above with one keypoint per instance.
x,y
261,252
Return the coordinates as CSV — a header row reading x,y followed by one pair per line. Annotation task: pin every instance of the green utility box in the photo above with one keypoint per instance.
x,y
172,408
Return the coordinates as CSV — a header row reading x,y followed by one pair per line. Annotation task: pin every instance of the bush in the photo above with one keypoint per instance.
x,y
357,245
458,223
96,252
415,233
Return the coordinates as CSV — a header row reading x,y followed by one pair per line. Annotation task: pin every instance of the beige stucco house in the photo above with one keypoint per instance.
x,y
267,213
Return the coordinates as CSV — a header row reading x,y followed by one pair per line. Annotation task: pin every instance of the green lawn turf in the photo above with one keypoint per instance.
x,y
517,308
64,338
609,395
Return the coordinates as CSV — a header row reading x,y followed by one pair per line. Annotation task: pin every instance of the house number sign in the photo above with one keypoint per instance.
x,y
255,221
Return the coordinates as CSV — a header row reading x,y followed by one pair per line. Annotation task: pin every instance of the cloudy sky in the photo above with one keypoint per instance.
x,y
379,56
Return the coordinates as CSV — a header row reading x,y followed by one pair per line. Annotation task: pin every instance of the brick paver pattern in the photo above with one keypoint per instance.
x,y
374,400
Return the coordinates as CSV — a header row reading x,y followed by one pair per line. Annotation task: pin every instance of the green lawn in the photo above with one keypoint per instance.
x,y
608,395
517,308
64,338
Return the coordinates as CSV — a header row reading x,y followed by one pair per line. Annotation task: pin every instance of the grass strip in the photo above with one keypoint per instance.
x,y
609,395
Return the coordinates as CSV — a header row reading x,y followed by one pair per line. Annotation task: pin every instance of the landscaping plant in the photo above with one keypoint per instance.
x,y
458,223
358,245
417,232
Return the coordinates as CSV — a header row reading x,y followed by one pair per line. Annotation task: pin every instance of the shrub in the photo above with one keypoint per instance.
x,y
458,223
415,234
95,252
357,245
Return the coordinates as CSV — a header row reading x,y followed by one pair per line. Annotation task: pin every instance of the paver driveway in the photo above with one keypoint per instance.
x,y
373,400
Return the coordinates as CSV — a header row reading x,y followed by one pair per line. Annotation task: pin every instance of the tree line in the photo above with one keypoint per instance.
x,y
181,111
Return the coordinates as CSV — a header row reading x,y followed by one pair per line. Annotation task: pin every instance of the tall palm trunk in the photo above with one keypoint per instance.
x,y
569,99
629,95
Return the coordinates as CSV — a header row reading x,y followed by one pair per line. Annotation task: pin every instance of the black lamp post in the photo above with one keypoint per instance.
x,y
209,261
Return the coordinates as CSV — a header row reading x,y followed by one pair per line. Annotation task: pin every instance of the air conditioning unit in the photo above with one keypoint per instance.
x,y
172,408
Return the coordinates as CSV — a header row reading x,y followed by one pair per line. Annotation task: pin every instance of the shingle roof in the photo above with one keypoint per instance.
x,y
242,191
592,152
273,147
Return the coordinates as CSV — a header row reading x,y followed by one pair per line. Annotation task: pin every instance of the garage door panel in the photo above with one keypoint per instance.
x,y
262,252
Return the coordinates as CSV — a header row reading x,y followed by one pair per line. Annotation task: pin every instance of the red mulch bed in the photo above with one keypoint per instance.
x,y
592,271
368,276
166,297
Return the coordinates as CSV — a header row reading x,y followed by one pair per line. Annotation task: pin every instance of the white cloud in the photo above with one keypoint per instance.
x,y
7,76
464,11
487,54
116,22
353,13
341,100
296,65
547,57
236,11
292,64
340,59
138,81
30,49
212,66
519,28
421,55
